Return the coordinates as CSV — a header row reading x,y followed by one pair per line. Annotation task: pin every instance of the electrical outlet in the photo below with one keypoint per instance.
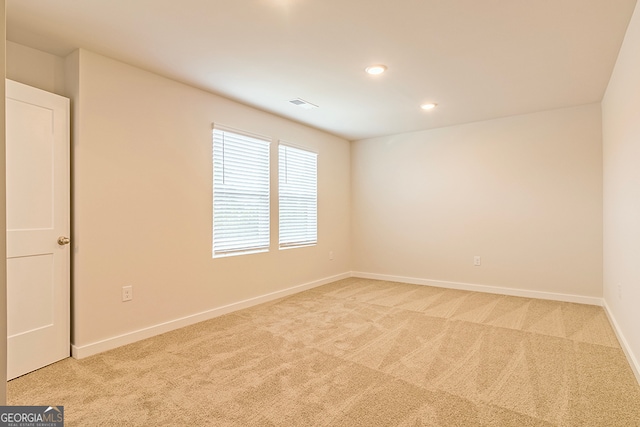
x,y
476,261
330,255
127,293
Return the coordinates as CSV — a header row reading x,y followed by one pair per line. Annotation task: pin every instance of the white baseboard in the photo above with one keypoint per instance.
x,y
483,288
635,366
80,352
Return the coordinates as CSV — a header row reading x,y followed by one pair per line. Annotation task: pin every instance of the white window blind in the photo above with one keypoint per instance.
x,y
298,197
240,193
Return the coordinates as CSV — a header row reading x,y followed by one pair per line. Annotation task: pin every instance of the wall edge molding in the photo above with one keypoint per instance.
x,y
626,348
483,288
83,351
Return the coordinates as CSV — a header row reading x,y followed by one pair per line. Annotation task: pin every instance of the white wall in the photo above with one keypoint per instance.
x,y
142,174
524,193
621,142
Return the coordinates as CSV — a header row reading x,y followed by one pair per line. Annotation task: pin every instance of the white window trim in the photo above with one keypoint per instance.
x,y
266,242
293,245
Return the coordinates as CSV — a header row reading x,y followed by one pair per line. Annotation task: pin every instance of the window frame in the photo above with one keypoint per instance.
x,y
262,207
290,243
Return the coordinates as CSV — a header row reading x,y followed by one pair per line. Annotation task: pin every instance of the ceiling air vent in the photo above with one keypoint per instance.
x,y
303,104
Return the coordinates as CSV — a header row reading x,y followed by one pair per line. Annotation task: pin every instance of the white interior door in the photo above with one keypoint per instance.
x,y
38,257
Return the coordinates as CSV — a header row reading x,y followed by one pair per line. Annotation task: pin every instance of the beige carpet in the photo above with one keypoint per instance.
x,y
358,353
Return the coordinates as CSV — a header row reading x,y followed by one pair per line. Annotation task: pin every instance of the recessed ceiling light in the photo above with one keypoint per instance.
x,y
376,69
429,106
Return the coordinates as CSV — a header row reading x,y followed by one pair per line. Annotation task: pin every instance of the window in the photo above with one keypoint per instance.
x,y
298,197
240,193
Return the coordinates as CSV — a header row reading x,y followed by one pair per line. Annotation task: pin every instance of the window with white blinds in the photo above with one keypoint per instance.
x,y
240,193
298,196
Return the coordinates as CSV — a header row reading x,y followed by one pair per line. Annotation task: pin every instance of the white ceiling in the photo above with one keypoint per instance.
x,y
478,59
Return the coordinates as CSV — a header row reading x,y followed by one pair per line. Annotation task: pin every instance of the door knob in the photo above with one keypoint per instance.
x,y
63,240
